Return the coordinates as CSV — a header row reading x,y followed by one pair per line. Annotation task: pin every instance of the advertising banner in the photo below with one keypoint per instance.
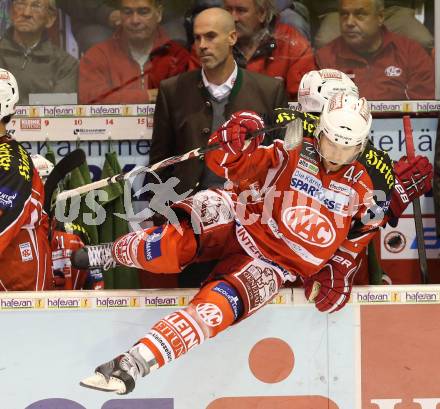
x,y
101,122
379,352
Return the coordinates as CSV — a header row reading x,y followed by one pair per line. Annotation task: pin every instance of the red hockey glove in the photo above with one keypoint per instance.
x,y
232,134
413,179
335,280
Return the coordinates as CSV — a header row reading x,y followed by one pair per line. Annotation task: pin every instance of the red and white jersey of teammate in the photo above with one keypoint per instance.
x,y
21,191
25,254
291,211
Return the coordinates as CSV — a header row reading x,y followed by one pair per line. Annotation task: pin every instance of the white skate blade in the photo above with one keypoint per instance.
x,y
98,382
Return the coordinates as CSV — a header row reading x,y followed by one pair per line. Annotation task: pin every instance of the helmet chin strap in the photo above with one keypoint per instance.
x,y
322,157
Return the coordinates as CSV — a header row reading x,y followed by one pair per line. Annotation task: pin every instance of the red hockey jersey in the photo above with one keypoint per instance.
x,y
290,210
25,254
27,259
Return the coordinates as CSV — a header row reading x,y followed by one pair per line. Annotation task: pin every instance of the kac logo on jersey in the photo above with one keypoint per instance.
x,y
393,71
210,314
309,225
26,252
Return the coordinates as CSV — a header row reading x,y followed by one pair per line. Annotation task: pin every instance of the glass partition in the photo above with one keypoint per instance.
x,y
111,52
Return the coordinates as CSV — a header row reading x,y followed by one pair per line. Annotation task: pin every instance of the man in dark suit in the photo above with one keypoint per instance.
x,y
193,104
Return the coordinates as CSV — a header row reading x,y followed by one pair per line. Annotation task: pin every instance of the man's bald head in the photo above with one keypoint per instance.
x,y
214,37
216,17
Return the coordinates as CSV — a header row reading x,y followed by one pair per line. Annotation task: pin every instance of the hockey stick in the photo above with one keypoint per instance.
x,y
59,172
410,152
292,139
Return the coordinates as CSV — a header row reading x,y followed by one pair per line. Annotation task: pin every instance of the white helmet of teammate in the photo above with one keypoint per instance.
x,y
43,165
345,122
316,87
8,93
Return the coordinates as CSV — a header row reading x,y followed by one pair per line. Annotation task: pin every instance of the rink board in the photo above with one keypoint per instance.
x,y
380,352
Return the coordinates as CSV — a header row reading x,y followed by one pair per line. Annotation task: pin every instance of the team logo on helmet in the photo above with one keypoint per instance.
x,y
364,109
331,74
336,102
304,92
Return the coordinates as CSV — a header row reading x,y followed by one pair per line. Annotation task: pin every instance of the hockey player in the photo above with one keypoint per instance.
x,y
64,239
26,255
302,213
315,88
413,175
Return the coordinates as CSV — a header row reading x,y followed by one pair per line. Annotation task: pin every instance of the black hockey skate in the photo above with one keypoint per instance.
x,y
90,257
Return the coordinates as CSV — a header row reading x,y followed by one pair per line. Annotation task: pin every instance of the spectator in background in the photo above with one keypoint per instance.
x,y
129,67
38,65
293,13
92,21
191,13
173,21
296,14
4,16
384,65
267,46
398,17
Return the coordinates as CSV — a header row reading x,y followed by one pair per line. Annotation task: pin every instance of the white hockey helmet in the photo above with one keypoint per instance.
x,y
345,122
316,87
8,93
43,165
